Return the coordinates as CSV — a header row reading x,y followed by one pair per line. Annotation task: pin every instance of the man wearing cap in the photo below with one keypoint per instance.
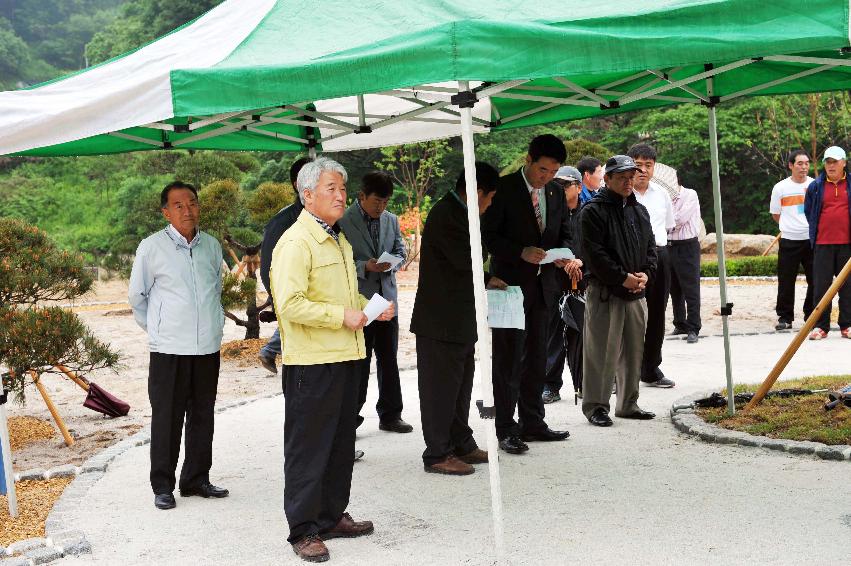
x,y
787,209
620,252
658,204
828,210
528,216
591,170
566,340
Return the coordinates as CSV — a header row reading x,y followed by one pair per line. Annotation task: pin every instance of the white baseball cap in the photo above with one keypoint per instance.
x,y
834,152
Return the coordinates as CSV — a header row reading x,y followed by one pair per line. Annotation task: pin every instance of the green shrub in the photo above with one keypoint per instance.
x,y
745,266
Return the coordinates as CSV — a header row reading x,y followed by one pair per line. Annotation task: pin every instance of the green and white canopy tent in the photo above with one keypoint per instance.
x,y
341,74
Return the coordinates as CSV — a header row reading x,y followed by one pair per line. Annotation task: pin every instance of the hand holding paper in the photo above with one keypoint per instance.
x,y
557,253
391,259
377,305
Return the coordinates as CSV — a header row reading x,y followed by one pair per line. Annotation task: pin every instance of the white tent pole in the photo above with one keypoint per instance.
x,y
6,464
484,343
719,244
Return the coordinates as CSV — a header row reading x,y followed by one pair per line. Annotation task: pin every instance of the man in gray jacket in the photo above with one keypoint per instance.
x,y
371,231
175,293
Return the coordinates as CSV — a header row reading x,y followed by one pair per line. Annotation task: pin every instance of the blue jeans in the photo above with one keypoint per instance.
x,y
272,347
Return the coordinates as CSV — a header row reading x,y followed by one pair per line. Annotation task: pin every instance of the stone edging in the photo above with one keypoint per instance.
x,y
61,538
685,420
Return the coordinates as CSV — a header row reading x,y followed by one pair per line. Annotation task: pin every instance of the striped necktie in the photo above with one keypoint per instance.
x,y
537,206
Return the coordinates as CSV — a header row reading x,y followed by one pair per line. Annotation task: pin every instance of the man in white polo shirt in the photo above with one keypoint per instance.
x,y
657,202
787,209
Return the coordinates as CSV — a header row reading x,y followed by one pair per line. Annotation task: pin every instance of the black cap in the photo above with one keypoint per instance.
x,y
620,163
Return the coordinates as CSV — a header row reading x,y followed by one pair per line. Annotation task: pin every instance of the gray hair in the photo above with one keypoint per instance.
x,y
309,175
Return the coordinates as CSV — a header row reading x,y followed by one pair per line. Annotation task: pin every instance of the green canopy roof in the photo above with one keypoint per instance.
x,y
241,76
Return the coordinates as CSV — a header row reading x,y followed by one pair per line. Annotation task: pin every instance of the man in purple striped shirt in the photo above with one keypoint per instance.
x,y
684,251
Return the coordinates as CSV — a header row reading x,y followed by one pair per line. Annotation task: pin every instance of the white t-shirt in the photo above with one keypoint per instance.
x,y
658,204
787,200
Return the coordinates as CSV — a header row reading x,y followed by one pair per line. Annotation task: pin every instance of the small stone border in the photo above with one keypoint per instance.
x,y
61,539
685,420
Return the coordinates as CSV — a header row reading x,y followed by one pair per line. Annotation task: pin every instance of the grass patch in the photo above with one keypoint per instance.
x,y
793,418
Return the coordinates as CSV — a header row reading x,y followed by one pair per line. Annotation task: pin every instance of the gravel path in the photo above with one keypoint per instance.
x,y
637,493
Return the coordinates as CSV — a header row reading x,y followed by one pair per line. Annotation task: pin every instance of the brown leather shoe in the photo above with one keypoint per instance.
x,y
312,549
477,456
349,528
451,466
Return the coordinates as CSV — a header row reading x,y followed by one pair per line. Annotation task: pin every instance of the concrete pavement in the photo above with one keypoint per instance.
x,y
636,493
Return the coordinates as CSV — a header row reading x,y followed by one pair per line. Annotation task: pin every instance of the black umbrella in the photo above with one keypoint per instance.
x,y
572,306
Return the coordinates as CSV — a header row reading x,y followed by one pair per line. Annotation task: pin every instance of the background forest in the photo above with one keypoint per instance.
x,y
103,206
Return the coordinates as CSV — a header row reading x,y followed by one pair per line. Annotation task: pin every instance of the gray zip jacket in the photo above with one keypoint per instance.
x,y
175,292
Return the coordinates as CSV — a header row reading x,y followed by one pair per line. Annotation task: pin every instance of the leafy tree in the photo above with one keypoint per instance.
x,y
415,167
202,168
267,200
34,337
220,202
14,55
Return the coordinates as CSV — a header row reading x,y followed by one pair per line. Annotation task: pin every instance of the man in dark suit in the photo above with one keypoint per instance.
x,y
275,228
444,321
528,216
371,231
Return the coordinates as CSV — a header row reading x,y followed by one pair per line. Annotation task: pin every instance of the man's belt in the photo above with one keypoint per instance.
x,y
683,242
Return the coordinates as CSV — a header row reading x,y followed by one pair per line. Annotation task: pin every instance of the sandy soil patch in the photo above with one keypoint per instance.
x,y
35,499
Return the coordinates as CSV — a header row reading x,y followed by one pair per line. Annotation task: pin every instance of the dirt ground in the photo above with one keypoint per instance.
x,y
106,312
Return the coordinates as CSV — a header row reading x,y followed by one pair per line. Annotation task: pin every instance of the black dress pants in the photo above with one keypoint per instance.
x,y
319,445
792,255
657,303
828,261
684,258
382,337
519,368
445,375
181,386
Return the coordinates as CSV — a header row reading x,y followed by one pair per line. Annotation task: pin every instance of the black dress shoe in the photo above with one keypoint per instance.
x,y
205,490
640,415
397,425
692,337
164,501
600,417
546,435
513,445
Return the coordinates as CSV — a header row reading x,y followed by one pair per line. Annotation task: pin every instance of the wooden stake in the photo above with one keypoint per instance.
x,y
73,377
69,440
242,265
771,245
233,255
800,337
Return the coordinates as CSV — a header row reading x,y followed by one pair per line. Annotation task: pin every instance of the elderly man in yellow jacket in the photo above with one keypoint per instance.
x,y
320,313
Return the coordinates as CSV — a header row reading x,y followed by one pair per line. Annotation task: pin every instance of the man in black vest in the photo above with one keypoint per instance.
x,y
444,320
528,216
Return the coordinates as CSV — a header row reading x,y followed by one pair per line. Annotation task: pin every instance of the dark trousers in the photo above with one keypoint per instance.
x,y
657,303
828,261
178,386
792,255
519,368
319,445
445,375
382,337
684,258
564,342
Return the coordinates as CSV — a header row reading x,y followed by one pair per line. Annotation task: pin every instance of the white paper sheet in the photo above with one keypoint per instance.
x,y
557,253
391,259
505,308
376,305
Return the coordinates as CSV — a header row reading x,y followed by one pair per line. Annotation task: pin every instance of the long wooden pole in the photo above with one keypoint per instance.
x,y
771,245
800,337
73,377
69,440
